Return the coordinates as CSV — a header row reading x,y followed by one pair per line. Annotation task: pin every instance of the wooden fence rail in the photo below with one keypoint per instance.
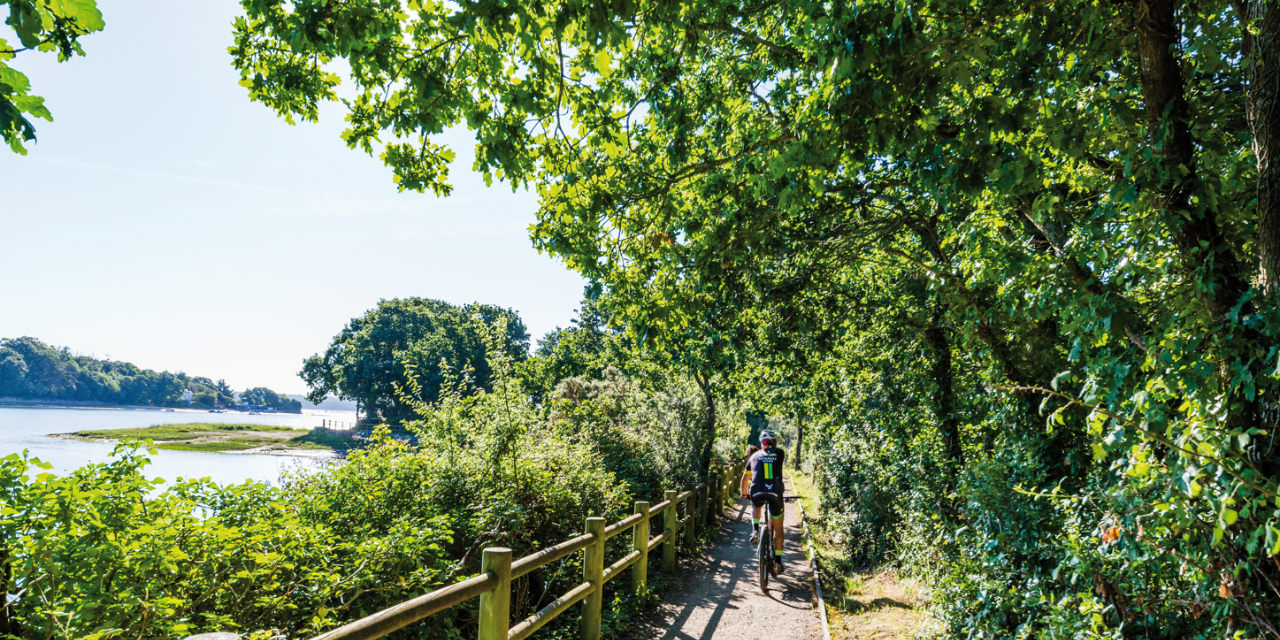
x,y
493,586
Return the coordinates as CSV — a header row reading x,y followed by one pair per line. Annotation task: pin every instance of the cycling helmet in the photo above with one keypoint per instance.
x,y
768,439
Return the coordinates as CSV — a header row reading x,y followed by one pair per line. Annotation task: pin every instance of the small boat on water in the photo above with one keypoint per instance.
x,y
216,411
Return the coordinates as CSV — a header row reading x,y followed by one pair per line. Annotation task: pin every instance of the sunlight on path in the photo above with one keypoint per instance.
x,y
719,597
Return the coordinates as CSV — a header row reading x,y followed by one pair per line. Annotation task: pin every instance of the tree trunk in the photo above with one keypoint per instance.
x,y
1206,256
1195,233
709,426
1262,48
799,441
944,399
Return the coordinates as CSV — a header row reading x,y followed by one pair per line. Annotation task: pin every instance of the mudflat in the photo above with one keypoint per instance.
x,y
228,438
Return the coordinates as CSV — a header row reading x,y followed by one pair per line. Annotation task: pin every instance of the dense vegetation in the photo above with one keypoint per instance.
x,y
1015,264
1018,260
33,370
107,553
376,355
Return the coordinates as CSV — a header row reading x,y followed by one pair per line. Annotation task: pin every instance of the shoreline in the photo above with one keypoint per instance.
x,y
19,403
327,455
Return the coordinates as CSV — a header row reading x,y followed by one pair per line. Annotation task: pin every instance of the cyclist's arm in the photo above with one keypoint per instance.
x,y
746,481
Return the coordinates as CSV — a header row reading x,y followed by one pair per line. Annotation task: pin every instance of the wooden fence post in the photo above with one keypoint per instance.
x,y
691,512
593,572
726,488
708,492
713,500
704,504
731,484
640,542
495,604
695,508
671,526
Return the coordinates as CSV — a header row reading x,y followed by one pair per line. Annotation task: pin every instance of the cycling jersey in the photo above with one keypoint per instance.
x,y
766,471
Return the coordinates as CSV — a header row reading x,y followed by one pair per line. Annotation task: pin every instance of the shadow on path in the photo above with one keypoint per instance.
x,y
718,595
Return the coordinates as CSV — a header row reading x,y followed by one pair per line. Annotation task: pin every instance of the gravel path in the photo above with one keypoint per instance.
x,y
719,596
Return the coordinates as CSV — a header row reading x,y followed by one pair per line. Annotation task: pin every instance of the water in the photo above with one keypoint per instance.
x,y
29,428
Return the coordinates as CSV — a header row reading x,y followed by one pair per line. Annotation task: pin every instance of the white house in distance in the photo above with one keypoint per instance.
x,y
188,396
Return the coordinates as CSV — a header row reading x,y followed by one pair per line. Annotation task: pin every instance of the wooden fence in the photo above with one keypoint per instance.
x,y
493,586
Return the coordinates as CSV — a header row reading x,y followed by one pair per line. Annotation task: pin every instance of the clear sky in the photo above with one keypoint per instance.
x,y
165,220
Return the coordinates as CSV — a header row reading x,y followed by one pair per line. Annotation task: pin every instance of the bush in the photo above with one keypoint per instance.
x,y
107,553
103,553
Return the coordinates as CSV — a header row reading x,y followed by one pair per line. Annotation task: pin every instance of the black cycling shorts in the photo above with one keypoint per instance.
x,y
774,500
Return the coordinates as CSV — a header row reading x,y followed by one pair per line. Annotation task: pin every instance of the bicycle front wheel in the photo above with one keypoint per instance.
x,y
764,551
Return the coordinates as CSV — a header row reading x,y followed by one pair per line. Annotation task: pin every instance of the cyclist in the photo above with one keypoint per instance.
x,y
762,483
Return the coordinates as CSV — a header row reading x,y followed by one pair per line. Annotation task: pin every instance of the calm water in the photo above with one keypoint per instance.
x,y
29,428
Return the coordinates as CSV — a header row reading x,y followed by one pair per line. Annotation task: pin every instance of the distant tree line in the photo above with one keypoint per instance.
x,y
262,396
33,370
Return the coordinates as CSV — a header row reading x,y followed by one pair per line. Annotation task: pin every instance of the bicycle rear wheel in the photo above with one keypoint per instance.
x,y
764,551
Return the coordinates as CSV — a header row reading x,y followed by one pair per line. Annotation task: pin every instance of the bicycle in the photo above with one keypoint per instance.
x,y
764,549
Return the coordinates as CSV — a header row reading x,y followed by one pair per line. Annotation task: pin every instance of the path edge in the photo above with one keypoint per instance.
x,y
817,580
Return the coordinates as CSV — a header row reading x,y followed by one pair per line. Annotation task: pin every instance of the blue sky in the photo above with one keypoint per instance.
x,y
165,220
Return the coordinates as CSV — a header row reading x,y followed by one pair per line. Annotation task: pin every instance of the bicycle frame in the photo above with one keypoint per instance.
x,y
764,548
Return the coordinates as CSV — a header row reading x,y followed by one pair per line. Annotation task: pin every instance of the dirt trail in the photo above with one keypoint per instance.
x,y
719,596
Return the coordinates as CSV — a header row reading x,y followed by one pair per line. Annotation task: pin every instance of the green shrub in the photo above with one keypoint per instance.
x,y
104,553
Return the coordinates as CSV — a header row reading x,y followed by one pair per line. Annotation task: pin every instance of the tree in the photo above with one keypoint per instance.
x,y
1066,210
205,398
226,395
373,357
583,350
13,373
261,396
44,26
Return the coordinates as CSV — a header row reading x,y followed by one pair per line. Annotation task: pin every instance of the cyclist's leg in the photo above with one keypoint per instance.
x,y
776,510
756,502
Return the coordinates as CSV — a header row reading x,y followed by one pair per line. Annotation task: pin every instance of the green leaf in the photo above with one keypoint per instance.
x,y
603,60
83,11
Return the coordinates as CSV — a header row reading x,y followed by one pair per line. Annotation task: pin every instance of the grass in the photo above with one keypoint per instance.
x,y
861,603
212,436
